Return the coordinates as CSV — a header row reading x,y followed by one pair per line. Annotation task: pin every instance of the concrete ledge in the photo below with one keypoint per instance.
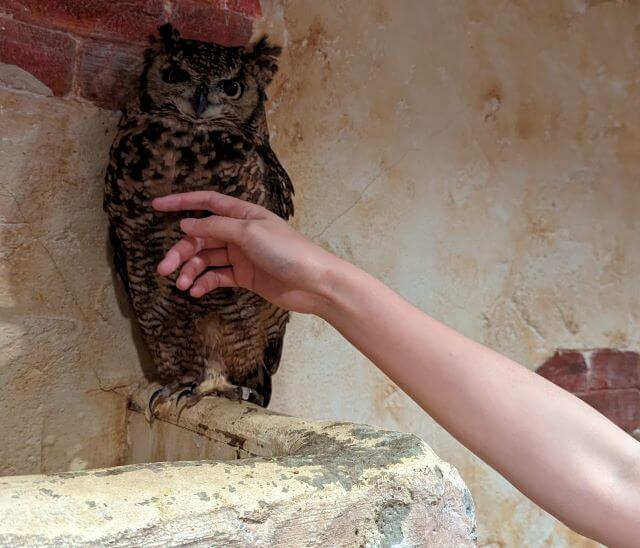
x,y
297,483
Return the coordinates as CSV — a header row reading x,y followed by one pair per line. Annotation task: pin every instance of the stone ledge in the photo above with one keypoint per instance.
x,y
302,483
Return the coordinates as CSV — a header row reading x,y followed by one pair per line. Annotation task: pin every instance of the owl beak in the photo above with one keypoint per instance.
x,y
200,99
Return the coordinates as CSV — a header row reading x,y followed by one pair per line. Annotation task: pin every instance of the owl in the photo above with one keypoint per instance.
x,y
199,124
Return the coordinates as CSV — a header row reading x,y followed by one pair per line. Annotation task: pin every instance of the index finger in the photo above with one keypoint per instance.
x,y
209,200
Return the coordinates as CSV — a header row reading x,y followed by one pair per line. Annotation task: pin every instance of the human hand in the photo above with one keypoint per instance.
x,y
244,245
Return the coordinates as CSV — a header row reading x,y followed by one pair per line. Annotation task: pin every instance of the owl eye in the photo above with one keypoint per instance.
x,y
174,75
232,88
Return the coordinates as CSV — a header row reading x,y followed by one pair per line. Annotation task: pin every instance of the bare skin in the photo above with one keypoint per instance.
x,y
553,447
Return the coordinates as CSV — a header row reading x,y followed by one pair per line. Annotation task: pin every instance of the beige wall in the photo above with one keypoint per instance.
x,y
483,159
480,157
65,347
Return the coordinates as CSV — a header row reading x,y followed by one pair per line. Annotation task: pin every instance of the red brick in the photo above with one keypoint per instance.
x,y
608,379
568,369
620,406
250,8
108,74
610,368
202,21
122,20
48,55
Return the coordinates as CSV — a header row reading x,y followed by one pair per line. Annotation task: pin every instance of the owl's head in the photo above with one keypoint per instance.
x,y
206,83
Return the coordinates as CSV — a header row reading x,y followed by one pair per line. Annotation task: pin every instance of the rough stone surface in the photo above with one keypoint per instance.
x,y
130,20
108,73
246,7
14,77
202,21
48,55
301,483
66,350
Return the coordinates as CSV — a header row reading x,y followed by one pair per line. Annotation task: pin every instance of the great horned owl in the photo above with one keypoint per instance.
x,y
199,124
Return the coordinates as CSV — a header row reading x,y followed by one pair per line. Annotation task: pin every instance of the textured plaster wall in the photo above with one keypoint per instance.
x,y
482,158
65,347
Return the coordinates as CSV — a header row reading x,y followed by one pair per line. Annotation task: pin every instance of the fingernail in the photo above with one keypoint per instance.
x,y
182,282
186,224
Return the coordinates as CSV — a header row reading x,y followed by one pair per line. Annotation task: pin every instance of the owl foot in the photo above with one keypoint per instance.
x,y
225,389
162,395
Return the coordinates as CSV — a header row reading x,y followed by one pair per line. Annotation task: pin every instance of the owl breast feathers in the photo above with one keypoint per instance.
x,y
199,125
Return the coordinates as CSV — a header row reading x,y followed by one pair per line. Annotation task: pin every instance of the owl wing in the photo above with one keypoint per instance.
x,y
273,353
279,189
111,204
119,259
278,183
260,381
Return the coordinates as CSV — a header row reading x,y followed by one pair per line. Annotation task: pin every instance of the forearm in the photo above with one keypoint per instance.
x,y
500,410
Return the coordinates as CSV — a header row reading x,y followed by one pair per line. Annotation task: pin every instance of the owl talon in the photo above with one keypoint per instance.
x,y
163,394
188,394
236,393
184,393
153,399
158,397
249,394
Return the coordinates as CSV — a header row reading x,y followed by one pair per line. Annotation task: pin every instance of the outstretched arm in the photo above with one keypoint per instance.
x,y
557,450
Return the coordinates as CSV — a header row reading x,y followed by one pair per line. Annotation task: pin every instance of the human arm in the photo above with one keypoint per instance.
x,y
552,446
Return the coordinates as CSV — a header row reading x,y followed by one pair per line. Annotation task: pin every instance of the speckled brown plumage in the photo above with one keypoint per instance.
x,y
190,132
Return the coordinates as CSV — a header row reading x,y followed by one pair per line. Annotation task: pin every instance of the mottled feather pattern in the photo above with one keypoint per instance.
x,y
231,337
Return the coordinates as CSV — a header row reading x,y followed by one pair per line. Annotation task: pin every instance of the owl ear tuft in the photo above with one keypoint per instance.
x,y
169,35
261,59
164,43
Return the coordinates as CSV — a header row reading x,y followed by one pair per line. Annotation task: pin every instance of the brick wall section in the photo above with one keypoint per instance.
x,y
93,48
606,378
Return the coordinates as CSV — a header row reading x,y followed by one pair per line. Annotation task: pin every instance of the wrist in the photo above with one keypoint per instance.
x,y
333,288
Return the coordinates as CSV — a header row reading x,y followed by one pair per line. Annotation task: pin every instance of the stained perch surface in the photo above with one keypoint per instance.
x,y
298,483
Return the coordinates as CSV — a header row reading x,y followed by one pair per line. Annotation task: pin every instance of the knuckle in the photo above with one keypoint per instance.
x,y
191,243
252,231
246,210
210,221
